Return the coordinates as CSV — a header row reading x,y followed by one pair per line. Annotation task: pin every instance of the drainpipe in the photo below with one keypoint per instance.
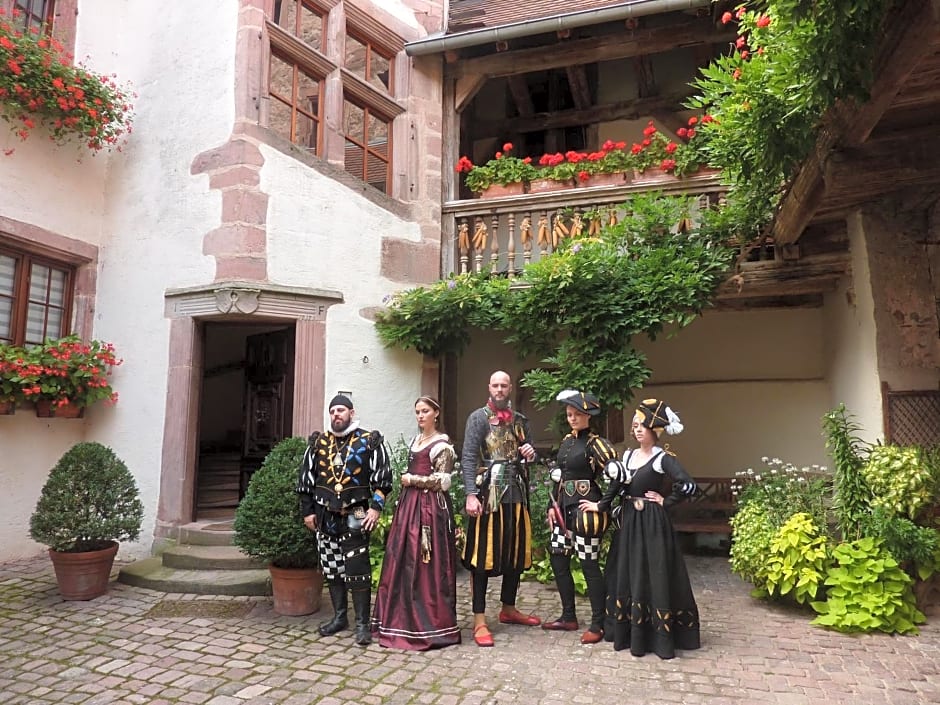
x,y
442,42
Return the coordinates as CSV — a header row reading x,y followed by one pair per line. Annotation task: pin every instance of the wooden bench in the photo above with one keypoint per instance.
x,y
709,511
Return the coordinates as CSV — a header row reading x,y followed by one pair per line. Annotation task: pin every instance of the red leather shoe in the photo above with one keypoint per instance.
x,y
482,639
590,637
561,625
527,620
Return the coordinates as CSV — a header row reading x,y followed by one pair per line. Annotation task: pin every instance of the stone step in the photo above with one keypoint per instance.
x,y
203,534
152,574
200,557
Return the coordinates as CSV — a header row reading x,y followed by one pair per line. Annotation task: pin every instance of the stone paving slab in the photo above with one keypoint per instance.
x,y
131,646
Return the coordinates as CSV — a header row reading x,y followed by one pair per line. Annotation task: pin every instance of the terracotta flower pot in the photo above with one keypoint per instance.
x,y
84,575
517,188
616,179
297,591
7,408
46,410
652,174
545,185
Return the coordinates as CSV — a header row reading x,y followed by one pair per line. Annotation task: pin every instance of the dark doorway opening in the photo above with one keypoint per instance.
x,y
246,408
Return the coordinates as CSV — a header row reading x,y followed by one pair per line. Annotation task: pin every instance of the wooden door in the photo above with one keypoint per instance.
x,y
269,396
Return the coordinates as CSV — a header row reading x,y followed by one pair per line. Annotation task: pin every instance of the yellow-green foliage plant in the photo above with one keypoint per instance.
x,y
867,591
903,480
796,566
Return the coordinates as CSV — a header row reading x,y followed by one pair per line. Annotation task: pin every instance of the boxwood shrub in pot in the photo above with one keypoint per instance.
x,y
89,502
268,527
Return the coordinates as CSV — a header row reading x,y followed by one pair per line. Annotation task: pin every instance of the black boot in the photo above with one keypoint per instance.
x,y
362,602
340,605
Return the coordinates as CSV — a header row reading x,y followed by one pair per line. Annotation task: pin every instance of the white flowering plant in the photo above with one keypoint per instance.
x,y
781,490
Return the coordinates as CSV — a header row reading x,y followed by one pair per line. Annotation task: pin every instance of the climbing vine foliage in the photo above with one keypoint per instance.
x,y
580,309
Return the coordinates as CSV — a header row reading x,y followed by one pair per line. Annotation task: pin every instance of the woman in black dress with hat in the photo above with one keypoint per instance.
x,y
650,605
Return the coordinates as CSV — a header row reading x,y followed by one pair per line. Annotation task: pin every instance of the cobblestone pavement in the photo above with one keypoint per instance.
x,y
139,646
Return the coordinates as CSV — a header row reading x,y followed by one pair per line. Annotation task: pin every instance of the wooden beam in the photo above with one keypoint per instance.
x,y
580,90
885,165
587,51
520,94
906,43
467,88
810,275
622,110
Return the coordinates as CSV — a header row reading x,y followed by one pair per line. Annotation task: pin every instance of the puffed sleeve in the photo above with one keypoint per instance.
x,y
380,471
618,477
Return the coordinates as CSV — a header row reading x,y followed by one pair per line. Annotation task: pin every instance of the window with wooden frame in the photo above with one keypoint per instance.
x,y
29,15
295,107
368,145
303,19
366,60
298,68
35,297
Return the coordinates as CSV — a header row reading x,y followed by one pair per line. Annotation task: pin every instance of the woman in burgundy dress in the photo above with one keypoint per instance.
x,y
416,603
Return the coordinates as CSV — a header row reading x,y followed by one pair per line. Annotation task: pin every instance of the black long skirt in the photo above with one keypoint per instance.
x,y
650,605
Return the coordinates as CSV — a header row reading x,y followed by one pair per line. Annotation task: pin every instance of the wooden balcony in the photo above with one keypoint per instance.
x,y
505,234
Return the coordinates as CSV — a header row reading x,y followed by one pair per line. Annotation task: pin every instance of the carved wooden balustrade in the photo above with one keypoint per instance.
x,y
505,234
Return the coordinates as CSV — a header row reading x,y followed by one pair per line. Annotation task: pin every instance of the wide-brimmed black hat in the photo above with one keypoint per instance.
x,y
584,402
656,416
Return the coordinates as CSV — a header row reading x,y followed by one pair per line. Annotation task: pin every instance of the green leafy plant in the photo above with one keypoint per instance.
x,y
852,494
909,543
791,62
867,591
268,523
40,85
579,308
752,532
503,168
797,561
89,500
438,319
903,480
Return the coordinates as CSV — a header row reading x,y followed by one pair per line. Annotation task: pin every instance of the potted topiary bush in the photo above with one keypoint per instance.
x,y
268,526
88,504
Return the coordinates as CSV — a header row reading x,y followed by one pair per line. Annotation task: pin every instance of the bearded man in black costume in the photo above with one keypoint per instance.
x,y
344,479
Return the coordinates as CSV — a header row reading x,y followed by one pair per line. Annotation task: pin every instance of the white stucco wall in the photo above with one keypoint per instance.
x,y
147,214
321,234
851,354
746,385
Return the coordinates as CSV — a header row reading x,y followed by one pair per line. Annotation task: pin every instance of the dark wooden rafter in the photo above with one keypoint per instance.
x,y
580,88
902,48
585,51
645,79
621,110
519,90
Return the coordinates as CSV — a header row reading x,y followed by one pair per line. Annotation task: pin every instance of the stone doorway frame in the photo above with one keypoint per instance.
x,y
235,301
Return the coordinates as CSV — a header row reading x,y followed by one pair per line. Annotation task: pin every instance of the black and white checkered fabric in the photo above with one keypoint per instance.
x,y
332,560
584,547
